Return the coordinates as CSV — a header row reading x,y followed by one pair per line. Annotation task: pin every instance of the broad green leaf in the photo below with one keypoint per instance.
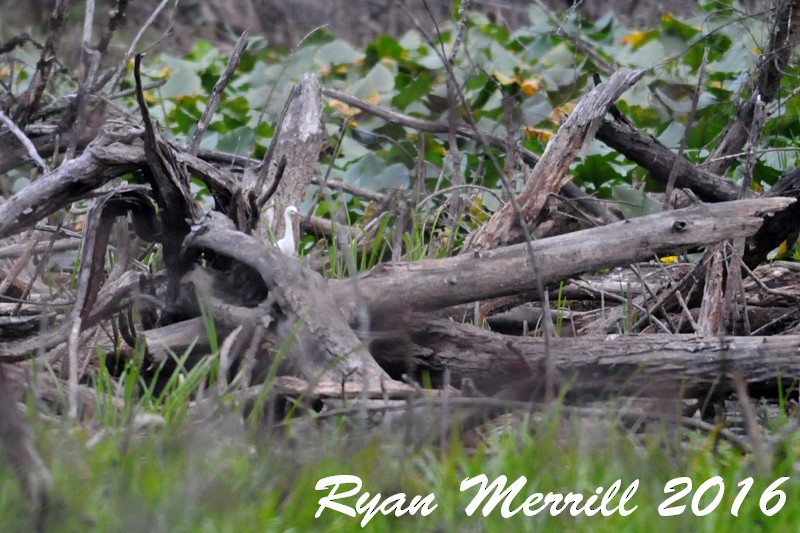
x,y
633,202
410,89
337,52
379,80
183,81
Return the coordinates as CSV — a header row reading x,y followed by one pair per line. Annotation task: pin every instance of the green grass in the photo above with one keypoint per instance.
x,y
207,472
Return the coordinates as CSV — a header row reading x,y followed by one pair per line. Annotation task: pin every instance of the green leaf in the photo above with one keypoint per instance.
x,y
385,46
337,52
633,202
183,81
378,80
411,89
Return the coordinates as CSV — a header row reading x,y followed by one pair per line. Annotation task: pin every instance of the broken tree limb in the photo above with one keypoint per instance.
x,y
302,139
315,333
784,35
438,283
550,174
107,157
649,153
779,227
651,365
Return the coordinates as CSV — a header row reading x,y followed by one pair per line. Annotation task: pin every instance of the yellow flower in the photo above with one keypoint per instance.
x,y
537,133
530,86
149,97
373,98
670,259
559,114
635,39
343,108
165,72
341,69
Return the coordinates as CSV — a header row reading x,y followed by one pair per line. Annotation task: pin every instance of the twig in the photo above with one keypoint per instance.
x,y
58,19
767,290
673,173
124,63
323,182
18,265
263,172
117,15
431,126
225,359
751,425
587,49
216,93
88,23
72,392
753,140
81,101
26,142
784,33
14,42
458,187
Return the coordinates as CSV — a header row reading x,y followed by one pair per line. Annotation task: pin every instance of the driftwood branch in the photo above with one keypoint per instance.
x,y
550,174
669,366
107,157
311,326
659,161
434,284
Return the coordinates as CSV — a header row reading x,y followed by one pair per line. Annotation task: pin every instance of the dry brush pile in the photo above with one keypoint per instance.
x,y
703,329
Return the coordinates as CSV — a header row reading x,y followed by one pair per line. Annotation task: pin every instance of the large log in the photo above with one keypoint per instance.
x,y
438,283
306,322
667,366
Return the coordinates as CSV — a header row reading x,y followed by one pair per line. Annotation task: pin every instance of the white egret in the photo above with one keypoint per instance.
x,y
287,244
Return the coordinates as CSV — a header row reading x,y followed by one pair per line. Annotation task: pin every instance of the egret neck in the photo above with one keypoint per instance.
x,y
287,244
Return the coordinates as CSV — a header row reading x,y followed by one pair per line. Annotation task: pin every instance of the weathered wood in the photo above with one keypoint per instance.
x,y
438,283
319,342
784,35
649,365
301,139
659,160
550,174
112,297
709,322
107,157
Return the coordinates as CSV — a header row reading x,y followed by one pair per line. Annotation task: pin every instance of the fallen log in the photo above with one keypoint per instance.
x,y
668,366
315,335
437,283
